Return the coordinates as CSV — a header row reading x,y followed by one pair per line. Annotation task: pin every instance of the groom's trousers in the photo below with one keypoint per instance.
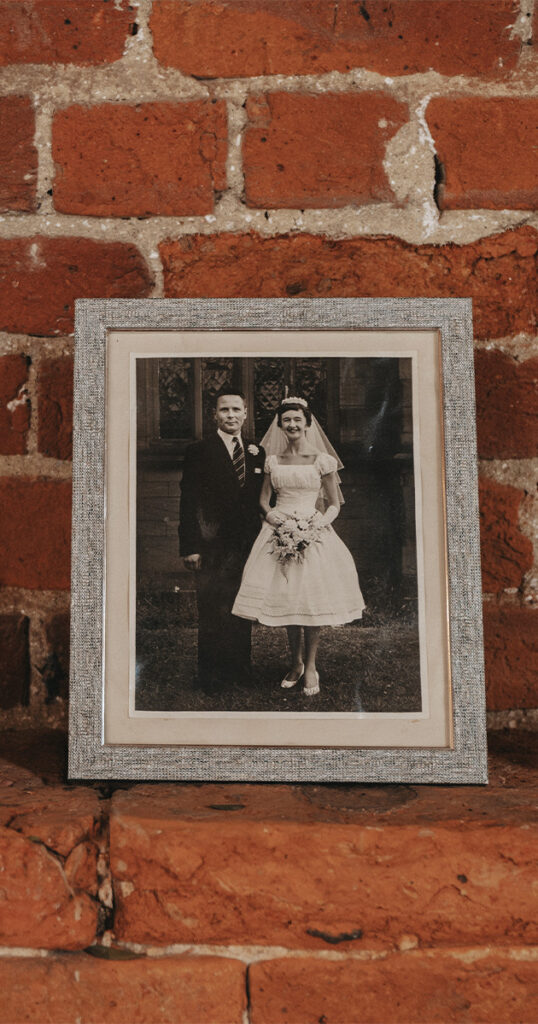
x,y
224,640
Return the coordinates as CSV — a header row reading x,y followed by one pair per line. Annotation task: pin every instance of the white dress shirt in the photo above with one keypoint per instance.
x,y
229,441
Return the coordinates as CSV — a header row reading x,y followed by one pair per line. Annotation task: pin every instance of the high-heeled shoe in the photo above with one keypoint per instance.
x,y
287,684
311,690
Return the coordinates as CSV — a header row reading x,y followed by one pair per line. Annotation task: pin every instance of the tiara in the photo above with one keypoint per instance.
x,y
298,401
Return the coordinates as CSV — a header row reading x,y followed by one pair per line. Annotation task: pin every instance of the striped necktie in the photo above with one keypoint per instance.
x,y
238,458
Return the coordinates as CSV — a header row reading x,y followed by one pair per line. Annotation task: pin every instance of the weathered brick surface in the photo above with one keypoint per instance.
x,y
58,817
41,277
498,272
59,31
420,987
310,151
55,670
41,750
265,37
14,404
317,866
506,406
155,158
15,660
42,904
18,156
38,909
487,147
81,868
512,758
507,554
511,655
35,533
172,990
55,407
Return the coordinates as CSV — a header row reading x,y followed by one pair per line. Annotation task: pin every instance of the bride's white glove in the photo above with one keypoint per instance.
x,y
274,518
329,515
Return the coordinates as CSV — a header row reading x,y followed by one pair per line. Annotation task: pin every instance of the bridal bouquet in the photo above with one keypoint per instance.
x,y
292,538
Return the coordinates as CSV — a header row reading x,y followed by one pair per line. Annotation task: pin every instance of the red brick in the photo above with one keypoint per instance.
x,y
12,775
81,868
511,653
60,818
498,272
155,158
512,756
507,406
39,748
42,904
15,660
309,151
55,671
55,407
277,865
59,31
506,553
14,405
40,278
487,149
182,990
35,536
264,37
38,908
422,987
18,159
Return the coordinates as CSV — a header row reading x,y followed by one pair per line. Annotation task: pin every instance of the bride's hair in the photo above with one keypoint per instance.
x,y
299,404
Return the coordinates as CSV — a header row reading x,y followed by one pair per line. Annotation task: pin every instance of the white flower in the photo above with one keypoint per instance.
x,y
253,449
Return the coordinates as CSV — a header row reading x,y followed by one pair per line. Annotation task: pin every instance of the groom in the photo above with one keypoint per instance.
x,y
219,519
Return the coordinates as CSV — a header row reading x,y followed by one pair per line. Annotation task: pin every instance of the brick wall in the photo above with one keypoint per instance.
x,y
262,148
258,147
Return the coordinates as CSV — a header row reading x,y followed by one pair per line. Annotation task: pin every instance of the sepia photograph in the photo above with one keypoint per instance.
x,y
276,535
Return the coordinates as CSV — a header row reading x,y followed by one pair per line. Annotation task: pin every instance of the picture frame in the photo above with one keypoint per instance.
x,y
402,690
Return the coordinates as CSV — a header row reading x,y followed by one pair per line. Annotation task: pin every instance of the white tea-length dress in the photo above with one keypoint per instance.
x,y
322,589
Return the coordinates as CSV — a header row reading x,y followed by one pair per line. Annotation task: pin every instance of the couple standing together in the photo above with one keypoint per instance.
x,y
294,571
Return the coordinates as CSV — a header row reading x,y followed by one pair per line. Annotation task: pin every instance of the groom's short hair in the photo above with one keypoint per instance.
x,y
222,392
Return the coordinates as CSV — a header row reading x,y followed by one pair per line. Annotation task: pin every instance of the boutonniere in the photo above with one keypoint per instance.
x,y
253,449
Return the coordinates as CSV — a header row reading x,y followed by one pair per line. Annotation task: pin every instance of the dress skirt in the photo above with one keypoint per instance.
x,y
320,590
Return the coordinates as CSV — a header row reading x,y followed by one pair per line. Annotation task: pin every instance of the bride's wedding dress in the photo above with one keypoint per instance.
x,y
322,589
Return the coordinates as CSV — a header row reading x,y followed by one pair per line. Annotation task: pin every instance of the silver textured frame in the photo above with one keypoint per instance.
x,y
89,756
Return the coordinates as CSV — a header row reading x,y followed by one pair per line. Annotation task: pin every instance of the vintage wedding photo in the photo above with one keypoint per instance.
x,y
276,534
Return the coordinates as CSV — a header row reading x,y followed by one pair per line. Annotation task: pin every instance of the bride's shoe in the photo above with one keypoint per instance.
x,y
311,690
287,684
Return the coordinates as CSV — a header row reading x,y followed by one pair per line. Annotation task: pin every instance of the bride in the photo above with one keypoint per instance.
x,y
299,573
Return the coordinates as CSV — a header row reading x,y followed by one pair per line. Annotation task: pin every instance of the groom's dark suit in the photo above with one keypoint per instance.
x,y
220,520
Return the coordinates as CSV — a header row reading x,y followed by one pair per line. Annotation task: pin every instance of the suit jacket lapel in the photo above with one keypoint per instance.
x,y
223,458
251,464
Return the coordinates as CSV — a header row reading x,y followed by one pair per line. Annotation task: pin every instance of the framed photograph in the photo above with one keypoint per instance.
x,y
276,569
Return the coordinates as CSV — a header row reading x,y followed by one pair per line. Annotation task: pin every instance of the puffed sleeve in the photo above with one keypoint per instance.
x,y
326,463
269,463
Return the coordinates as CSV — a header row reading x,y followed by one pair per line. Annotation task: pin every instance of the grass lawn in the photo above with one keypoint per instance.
x,y
368,666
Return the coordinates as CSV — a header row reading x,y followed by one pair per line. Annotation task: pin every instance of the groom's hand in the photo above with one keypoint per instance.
x,y
192,562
